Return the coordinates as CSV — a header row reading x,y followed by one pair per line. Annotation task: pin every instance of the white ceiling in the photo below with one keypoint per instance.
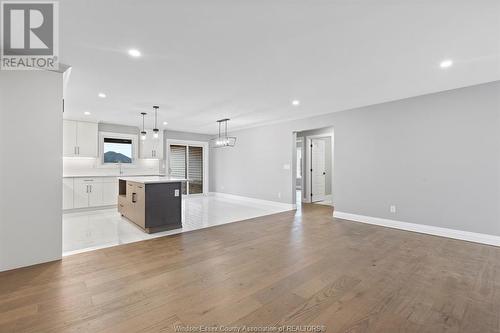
x,y
247,60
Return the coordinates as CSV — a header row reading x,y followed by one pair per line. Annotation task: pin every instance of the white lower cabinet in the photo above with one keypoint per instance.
x,y
82,192
93,192
81,196
68,190
109,191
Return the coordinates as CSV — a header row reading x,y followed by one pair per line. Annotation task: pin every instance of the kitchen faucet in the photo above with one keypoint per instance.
x,y
120,167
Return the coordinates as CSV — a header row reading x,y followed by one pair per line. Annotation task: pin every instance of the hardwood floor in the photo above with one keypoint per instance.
x,y
282,269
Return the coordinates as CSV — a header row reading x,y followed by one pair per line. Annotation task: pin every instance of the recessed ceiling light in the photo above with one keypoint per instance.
x,y
134,53
165,123
295,102
446,63
86,113
102,95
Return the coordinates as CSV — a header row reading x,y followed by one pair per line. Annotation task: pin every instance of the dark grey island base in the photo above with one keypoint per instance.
x,y
152,203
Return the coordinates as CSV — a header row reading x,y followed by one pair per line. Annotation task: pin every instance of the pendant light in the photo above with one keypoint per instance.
x,y
156,131
143,132
223,140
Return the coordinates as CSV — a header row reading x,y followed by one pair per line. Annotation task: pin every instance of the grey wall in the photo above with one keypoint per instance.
x,y
30,168
186,136
436,157
115,128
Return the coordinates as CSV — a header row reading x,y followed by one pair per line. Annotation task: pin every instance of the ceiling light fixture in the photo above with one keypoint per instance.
x,y
101,95
143,132
134,53
156,131
222,140
446,63
295,102
165,123
86,113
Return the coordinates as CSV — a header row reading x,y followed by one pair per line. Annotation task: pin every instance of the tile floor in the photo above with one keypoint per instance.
x,y
91,230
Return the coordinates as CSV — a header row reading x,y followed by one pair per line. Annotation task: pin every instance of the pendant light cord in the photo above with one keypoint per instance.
x,y
156,116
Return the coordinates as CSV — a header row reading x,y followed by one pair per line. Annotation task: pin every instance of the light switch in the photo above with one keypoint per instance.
x,y
286,166
176,193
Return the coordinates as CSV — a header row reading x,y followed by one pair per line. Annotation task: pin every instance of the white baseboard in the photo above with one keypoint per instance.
x,y
87,209
276,204
421,228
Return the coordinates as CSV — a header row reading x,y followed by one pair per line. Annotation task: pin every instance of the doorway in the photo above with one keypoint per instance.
x,y
314,166
189,159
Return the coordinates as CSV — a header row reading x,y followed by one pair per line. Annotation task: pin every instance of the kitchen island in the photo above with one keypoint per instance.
x,y
154,203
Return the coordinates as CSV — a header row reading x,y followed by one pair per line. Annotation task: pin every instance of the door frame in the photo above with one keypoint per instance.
x,y
309,138
302,142
206,160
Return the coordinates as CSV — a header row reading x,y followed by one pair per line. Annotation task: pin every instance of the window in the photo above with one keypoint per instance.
x,y
187,162
195,169
117,150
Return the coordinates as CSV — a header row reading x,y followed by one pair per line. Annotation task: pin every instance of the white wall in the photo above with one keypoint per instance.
x,y
30,168
436,157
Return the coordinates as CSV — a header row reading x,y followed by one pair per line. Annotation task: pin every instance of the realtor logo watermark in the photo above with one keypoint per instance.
x,y
29,35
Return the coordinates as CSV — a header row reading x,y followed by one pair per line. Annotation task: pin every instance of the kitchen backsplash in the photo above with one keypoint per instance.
x,y
75,166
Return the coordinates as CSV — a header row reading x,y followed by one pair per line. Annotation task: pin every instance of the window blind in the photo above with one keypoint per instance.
x,y
195,172
177,160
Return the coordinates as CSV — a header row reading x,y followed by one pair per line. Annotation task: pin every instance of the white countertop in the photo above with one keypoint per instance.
x,y
95,176
153,179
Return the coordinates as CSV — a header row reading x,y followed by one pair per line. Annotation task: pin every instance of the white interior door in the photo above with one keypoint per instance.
x,y
318,170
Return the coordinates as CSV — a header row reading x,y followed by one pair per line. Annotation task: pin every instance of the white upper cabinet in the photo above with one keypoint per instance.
x,y
87,139
152,147
69,138
79,138
146,146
